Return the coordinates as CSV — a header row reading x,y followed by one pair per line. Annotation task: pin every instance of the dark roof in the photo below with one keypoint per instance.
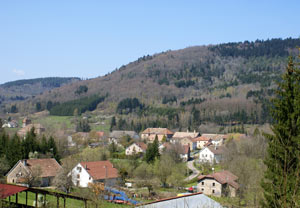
x,y
100,169
222,177
7,190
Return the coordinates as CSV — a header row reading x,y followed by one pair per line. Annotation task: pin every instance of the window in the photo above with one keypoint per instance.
x,y
213,184
213,191
79,169
202,183
90,178
78,175
202,189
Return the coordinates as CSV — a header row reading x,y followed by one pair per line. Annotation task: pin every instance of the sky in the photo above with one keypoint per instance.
x,y
87,39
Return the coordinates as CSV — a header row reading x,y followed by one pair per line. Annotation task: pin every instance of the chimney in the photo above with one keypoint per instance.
x,y
25,162
216,147
194,131
85,167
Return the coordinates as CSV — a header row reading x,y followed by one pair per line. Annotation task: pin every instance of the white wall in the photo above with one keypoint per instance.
x,y
133,149
206,156
84,177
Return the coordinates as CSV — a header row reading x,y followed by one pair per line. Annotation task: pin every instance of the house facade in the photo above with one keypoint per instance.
x,y
218,184
136,148
212,154
202,142
94,172
23,169
188,141
151,133
216,139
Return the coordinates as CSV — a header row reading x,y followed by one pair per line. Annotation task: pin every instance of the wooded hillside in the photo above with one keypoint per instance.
x,y
225,84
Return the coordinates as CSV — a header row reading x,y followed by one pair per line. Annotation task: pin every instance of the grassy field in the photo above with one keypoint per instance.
x,y
56,122
70,203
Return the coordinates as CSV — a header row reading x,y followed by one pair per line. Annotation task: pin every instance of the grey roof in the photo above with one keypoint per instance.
x,y
119,134
197,200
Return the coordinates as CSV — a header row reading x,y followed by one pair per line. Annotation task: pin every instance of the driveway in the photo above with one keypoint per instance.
x,y
190,165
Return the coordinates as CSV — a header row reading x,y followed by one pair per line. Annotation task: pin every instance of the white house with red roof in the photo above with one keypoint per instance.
x,y
92,172
201,142
136,148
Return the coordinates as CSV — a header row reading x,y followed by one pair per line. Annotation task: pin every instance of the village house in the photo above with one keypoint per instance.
x,y
201,142
212,154
218,184
135,148
161,133
216,139
185,152
94,172
38,129
23,169
188,141
10,124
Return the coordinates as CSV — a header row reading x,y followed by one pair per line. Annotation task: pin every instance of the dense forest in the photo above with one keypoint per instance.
x,y
76,107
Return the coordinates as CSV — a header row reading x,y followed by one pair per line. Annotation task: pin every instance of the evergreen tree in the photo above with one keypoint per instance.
x,y
3,144
152,151
83,126
53,149
14,150
281,183
113,123
29,144
44,145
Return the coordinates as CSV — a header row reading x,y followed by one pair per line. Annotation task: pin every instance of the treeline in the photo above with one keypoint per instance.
x,y
129,105
192,101
13,149
271,48
46,82
78,106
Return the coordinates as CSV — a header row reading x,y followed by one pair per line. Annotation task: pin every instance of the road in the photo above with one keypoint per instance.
x,y
190,165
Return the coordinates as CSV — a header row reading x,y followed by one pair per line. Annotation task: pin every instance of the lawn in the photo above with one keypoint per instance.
x,y
72,203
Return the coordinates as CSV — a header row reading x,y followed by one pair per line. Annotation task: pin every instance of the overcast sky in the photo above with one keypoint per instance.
x,y
87,38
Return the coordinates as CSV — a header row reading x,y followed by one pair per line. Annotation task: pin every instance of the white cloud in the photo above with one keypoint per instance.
x,y
18,72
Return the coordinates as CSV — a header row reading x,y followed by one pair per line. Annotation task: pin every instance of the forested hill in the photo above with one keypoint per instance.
x,y
26,88
218,83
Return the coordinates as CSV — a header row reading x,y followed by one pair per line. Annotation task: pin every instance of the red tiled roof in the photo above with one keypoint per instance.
x,y
142,145
157,131
7,190
49,166
100,169
202,138
223,177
